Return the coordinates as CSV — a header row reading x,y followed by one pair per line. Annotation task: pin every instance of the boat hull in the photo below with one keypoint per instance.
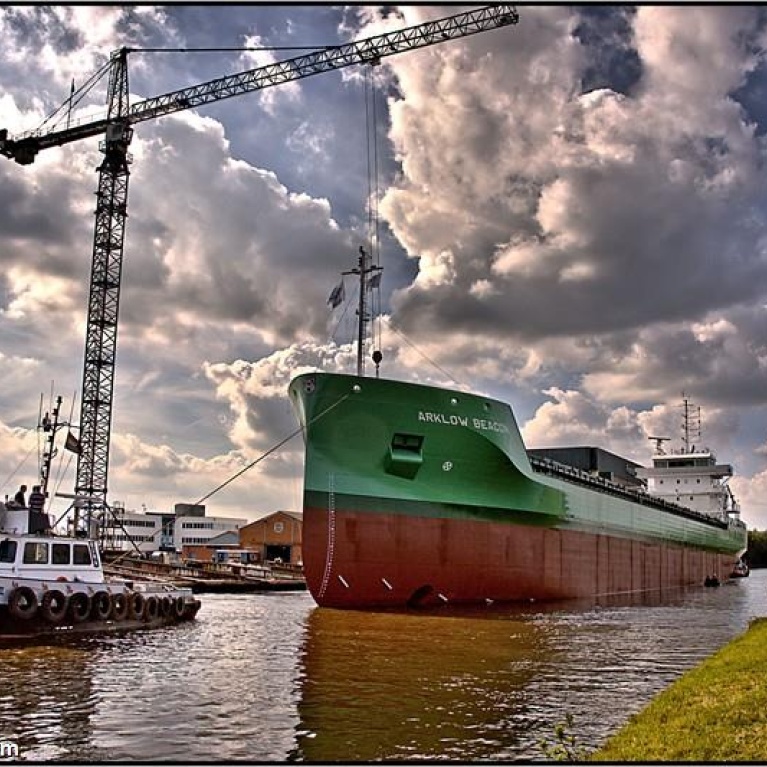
x,y
35,608
15,630
387,560
415,495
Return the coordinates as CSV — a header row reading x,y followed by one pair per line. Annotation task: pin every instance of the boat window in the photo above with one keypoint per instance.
x,y
80,554
7,550
35,553
60,554
94,554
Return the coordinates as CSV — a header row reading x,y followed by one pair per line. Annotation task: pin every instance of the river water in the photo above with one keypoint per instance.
x,y
271,677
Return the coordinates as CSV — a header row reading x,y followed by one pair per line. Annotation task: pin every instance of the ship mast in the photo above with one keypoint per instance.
x,y
690,423
365,268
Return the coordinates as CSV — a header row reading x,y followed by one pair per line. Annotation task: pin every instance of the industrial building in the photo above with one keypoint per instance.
x,y
275,536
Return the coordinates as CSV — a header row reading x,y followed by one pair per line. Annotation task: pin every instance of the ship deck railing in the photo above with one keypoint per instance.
x,y
638,495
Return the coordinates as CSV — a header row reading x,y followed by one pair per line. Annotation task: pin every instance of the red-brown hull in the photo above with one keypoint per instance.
x,y
362,559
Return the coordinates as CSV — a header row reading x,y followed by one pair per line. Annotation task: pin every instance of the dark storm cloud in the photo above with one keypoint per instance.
x,y
581,197
632,214
606,34
37,26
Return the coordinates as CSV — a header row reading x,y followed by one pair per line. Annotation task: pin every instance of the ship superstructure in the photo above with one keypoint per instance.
x,y
691,476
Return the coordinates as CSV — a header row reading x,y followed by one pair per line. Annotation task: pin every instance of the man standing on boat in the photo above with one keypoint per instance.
x,y
39,524
19,497
36,500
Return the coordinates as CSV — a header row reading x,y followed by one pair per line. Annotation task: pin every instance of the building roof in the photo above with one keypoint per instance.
x,y
297,515
228,538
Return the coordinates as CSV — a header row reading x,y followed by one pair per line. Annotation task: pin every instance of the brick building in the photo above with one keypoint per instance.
x,y
276,536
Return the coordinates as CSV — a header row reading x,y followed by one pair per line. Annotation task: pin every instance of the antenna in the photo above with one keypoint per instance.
x,y
690,423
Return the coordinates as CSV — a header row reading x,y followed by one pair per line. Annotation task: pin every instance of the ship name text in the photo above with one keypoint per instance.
x,y
481,424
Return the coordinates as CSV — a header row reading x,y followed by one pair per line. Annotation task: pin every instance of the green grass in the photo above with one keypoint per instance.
x,y
715,712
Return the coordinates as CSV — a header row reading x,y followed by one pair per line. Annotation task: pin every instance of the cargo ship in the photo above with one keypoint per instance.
x,y
416,495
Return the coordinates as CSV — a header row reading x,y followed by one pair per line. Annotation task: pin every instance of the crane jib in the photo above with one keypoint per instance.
x,y
112,194
370,50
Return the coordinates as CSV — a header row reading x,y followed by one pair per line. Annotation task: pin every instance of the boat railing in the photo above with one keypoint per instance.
x,y
638,495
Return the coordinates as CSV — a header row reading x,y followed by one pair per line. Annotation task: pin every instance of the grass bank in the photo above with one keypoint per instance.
x,y
715,712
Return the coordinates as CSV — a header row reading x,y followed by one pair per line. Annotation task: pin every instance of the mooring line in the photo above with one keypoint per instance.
x,y
272,449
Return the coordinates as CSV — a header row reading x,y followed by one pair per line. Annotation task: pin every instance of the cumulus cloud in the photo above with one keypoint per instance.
x,y
563,199
580,198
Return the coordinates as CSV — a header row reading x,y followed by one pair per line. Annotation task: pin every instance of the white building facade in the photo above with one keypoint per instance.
x,y
131,530
197,531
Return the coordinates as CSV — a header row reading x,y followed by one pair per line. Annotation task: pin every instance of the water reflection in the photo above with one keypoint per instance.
x,y
46,701
492,683
271,677
404,686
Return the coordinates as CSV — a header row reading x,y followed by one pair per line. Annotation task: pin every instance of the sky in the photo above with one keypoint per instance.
x,y
571,217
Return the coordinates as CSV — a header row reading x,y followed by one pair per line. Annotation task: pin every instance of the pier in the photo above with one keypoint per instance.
x,y
211,577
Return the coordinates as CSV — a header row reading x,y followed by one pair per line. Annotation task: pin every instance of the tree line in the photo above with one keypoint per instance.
x,y
756,555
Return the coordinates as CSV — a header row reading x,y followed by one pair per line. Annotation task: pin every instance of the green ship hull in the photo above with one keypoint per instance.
x,y
416,495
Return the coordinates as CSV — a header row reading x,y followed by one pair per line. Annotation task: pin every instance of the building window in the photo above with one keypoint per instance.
x,y
278,527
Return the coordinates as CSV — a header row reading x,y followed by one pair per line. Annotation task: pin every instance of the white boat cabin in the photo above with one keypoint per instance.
x,y
49,558
44,557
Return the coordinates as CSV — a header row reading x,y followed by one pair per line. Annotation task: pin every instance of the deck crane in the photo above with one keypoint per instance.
x,y
112,194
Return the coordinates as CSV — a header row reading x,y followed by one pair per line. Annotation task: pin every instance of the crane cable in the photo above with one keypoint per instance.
x,y
371,134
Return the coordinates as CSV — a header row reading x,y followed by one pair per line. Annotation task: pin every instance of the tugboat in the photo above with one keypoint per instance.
x,y
55,585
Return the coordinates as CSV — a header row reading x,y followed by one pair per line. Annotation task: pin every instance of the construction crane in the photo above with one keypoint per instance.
x,y
112,194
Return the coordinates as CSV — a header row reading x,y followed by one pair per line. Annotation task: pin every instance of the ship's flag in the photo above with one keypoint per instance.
x,y
375,280
337,295
73,444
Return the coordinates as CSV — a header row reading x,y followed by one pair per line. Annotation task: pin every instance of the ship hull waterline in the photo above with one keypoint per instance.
x,y
442,561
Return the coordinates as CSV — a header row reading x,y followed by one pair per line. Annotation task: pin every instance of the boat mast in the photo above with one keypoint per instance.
x,y
364,268
49,427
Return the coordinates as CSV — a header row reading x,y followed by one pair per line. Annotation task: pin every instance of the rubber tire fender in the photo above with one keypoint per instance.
x,y
54,606
166,607
22,603
136,606
101,606
120,605
79,607
179,607
152,609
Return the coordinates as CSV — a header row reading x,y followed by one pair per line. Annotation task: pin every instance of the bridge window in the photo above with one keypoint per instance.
x,y
7,550
35,553
60,554
81,555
